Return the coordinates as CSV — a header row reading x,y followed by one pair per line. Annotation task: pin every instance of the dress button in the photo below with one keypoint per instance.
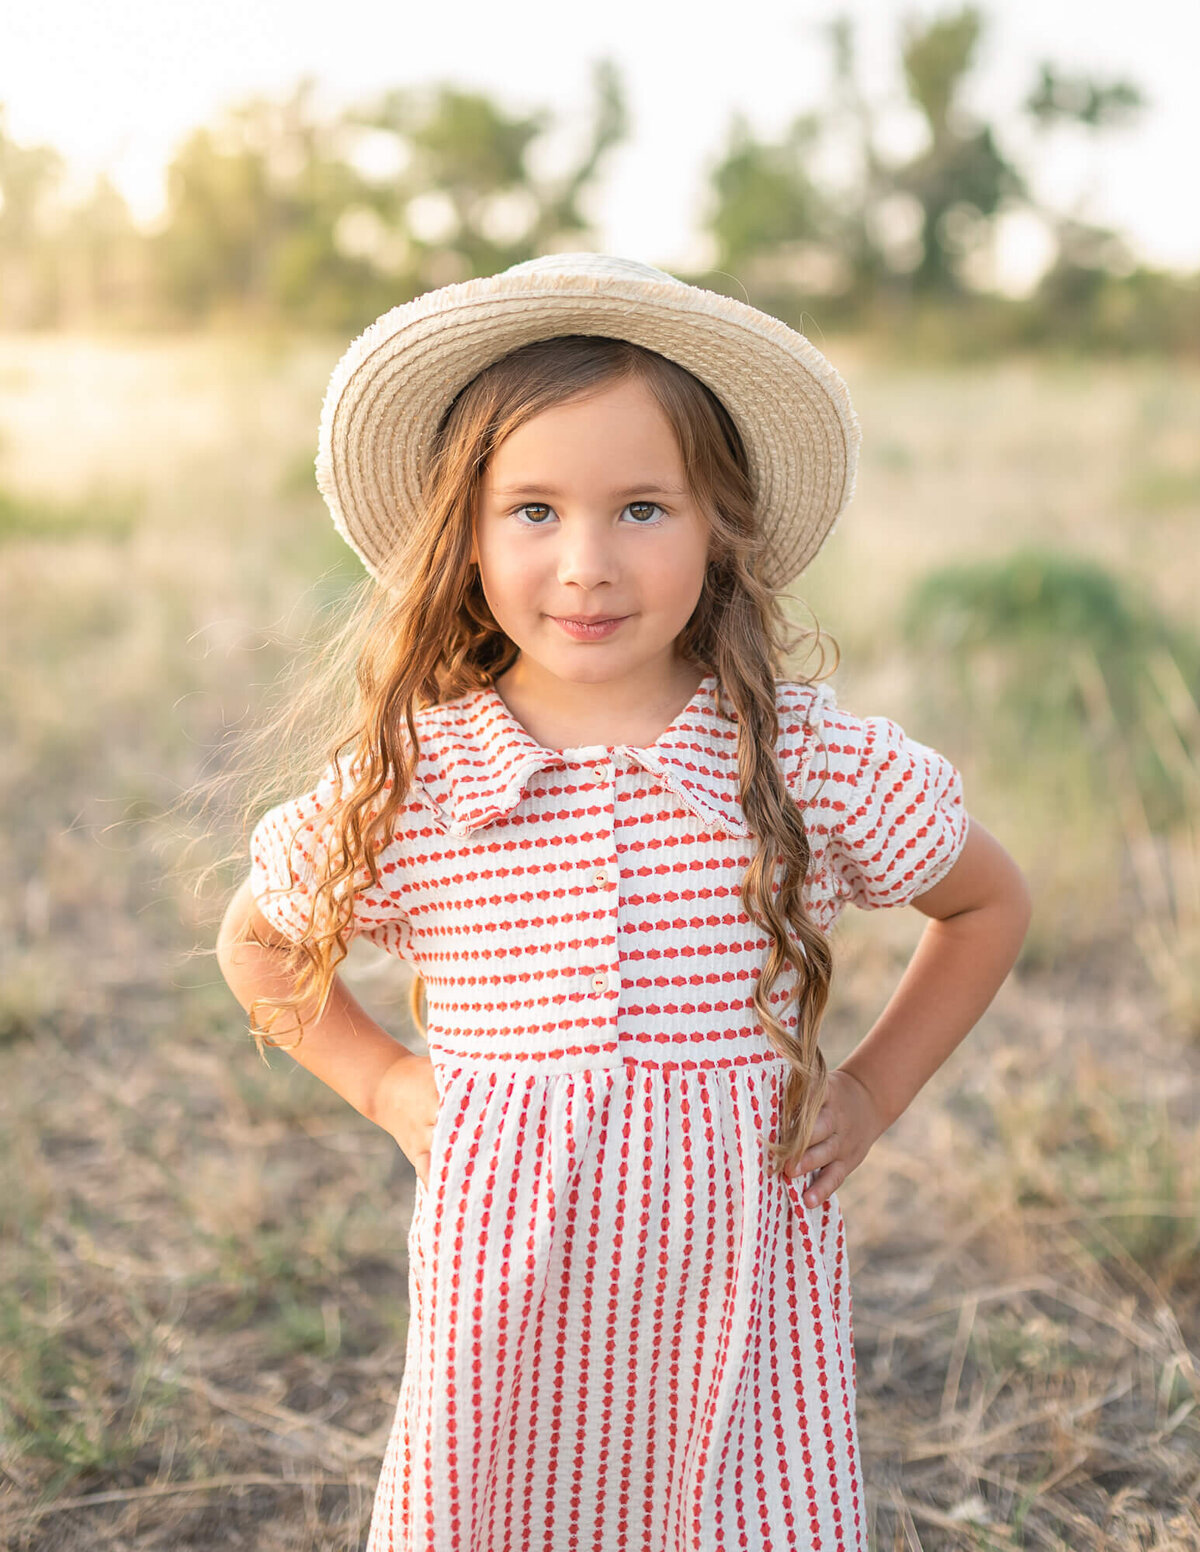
x,y
600,879
600,772
600,983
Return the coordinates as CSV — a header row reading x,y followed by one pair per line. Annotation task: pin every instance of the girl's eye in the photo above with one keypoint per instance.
x,y
537,514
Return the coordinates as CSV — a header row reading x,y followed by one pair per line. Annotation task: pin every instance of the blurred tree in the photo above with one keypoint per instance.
x,y
764,199
1087,255
100,261
852,116
466,201
890,231
251,209
888,226
961,178
1081,99
29,179
275,213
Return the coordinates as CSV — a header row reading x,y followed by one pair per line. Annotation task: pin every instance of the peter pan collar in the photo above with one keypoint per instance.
x,y
476,761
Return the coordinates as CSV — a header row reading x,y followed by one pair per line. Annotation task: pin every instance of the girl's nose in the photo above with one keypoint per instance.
x,y
585,556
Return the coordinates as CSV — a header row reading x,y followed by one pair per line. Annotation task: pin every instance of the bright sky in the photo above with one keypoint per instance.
x,y
116,86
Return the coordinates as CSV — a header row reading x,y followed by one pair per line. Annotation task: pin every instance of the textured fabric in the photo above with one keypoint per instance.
x,y
624,1332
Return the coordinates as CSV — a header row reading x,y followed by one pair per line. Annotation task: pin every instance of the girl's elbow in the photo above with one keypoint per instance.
x,y
984,878
246,924
232,930
1020,900
242,925
1010,895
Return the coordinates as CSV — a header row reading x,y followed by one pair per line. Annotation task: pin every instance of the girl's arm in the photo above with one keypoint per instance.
x,y
345,1047
979,914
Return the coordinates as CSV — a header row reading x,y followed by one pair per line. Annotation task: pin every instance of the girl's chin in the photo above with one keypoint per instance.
x,y
591,664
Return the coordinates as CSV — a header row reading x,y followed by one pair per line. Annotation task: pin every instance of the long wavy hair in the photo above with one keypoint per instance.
x,y
427,636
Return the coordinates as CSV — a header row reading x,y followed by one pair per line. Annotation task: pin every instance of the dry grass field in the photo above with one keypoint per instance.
x,y
203,1289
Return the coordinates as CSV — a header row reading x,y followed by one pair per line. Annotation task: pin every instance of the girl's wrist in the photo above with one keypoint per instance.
x,y
379,1104
883,1115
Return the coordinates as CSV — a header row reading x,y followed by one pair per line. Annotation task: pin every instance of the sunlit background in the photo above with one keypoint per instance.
x,y
986,218
138,138
117,89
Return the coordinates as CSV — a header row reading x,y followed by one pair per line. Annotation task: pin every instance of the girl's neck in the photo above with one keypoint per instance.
x,y
562,714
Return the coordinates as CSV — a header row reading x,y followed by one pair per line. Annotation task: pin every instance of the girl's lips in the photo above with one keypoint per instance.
x,y
590,630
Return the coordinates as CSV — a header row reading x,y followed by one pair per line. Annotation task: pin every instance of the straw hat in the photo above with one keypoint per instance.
x,y
390,389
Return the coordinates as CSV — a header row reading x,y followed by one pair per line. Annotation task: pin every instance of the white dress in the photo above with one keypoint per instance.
x,y
624,1333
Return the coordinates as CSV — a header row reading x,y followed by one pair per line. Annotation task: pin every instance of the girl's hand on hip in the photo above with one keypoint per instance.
x,y
847,1126
406,1105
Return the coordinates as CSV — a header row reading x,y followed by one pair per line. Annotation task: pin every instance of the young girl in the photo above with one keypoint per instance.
x,y
579,797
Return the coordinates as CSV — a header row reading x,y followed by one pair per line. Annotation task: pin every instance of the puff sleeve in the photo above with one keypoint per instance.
x,y
890,809
288,854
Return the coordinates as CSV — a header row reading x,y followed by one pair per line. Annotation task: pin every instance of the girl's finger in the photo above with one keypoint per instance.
x,y
822,1131
822,1153
824,1185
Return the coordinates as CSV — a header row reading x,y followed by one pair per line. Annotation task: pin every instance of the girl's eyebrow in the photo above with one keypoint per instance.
x,y
649,488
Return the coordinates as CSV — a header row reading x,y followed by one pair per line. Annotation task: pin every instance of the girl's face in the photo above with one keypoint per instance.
x,y
591,550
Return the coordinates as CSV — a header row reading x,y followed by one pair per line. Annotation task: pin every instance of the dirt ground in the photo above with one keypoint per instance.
x,y
208,1299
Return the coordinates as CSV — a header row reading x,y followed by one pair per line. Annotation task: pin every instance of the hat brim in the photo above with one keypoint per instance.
x,y
392,386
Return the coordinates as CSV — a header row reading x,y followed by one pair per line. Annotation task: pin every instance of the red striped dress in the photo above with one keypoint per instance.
x,y
624,1333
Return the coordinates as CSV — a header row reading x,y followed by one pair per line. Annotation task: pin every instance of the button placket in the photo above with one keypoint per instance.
x,y
603,878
